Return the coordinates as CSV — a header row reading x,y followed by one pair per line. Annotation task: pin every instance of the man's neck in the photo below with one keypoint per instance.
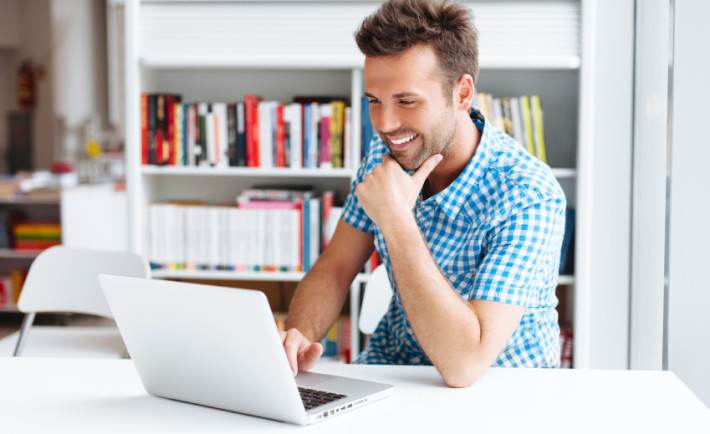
x,y
457,155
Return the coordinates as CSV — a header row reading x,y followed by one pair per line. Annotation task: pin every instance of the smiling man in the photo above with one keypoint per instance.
x,y
468,224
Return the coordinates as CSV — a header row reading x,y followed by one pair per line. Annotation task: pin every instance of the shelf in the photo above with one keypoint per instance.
x,y
19,254
561,172
248,171
255,61
255,276
531,63
9,308
29,201
565,279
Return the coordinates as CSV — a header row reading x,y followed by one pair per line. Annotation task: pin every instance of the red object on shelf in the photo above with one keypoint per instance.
x,y
26,88
59,167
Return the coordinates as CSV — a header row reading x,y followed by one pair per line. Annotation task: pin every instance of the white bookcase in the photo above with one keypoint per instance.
x,y
221,50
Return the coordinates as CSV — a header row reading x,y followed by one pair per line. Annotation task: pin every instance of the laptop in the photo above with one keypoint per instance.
x,y
219,347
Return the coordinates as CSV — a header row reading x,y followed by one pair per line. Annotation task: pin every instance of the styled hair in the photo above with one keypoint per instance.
x,y
447,27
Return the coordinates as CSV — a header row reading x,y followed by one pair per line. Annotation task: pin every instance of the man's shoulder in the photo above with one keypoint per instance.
x,y
512,179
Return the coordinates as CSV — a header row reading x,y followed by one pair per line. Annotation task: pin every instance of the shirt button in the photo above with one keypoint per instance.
x,y
415,360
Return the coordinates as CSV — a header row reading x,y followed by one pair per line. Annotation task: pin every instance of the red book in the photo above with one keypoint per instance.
x,y
324,142
251,103
144,128
280,137
160,130
170,128
35,244
299,205
327,206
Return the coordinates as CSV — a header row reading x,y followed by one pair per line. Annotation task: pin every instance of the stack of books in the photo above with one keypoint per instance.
x,y
336,343
310,132
36,235
11,286
519,117
266,230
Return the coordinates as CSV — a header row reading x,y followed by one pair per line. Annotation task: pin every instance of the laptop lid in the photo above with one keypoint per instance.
x,y
187,342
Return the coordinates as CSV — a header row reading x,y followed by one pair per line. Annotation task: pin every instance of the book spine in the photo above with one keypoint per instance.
x,y
280,137
324,137
241,137
527,124
144,128
232,134
348,160
539,133
169,156
337,120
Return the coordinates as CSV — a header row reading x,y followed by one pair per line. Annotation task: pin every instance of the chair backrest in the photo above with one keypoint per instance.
x,y
375,301
64,279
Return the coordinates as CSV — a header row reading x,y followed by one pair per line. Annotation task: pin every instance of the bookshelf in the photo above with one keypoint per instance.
x,y
34,209
219,51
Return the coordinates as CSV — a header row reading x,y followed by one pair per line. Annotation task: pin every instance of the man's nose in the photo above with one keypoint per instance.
x,y
387,120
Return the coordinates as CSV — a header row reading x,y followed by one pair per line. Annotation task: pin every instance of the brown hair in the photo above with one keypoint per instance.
x,y
447,27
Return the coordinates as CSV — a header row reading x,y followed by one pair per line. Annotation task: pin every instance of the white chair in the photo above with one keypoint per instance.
x,y
64,279
375,300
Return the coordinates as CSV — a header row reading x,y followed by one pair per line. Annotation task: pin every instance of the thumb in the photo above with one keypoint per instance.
x,y
310,356
426,168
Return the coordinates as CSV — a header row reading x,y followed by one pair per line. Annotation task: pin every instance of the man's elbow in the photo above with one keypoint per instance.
x,y
464,375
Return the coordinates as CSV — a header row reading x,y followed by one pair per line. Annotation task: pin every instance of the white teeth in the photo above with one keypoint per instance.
x,y
403,140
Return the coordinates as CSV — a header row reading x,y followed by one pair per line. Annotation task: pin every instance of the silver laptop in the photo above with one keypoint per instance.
x,y
219,347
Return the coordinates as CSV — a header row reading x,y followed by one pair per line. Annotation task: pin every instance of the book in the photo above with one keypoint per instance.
x,y
324,137
367,131
567,249
249,133
294,137
337,125
527,124
266,135
280,136
251,103
539,134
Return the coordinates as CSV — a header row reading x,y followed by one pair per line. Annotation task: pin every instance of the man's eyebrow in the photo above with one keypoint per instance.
x,y
397,95
404,94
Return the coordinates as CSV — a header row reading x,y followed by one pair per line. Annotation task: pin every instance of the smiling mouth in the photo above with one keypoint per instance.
x,y
402,142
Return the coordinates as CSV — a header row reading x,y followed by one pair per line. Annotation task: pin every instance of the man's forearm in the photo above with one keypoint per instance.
x,y
317,302
446,328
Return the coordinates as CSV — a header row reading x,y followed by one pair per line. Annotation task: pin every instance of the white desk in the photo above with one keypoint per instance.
x,y
42,395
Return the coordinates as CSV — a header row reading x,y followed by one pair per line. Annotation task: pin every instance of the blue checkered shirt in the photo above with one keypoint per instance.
x,y
495,232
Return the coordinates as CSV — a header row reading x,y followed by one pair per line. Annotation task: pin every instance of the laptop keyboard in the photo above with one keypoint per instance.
x,y
315,398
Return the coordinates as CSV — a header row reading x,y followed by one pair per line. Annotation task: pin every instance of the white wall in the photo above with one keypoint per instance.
x,y
688,298
79,32
34,25
653,30
601,319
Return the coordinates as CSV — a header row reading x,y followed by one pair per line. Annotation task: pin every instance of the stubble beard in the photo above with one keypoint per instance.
x,y
436,142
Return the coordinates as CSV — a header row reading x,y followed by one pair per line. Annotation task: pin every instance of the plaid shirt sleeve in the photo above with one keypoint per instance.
x,y
353,214
524,249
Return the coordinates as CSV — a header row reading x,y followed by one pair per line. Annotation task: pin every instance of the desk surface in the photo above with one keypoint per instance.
x,y
41,395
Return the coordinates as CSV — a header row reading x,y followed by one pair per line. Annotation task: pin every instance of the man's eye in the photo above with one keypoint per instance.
x,y
372,101
406,102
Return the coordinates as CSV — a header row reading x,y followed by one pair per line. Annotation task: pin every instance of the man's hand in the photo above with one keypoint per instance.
x,y
301,353
388,191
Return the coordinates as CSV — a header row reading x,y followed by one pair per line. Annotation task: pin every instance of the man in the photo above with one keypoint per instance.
x,y
467,223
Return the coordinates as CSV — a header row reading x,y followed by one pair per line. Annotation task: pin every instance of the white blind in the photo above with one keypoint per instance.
x,y
321,33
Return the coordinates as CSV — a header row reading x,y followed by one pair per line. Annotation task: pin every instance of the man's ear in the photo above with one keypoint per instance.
x,y
463,92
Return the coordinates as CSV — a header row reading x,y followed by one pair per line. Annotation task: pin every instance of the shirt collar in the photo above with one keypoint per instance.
x,y
452,198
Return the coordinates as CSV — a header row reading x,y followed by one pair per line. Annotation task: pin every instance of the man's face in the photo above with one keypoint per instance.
x,y
407,105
